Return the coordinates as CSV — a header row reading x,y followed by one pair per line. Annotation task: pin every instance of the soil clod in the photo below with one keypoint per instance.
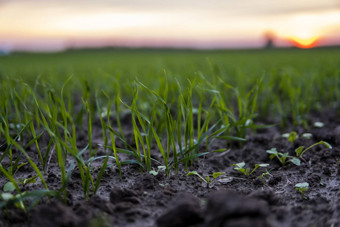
x,y
184,211
228,208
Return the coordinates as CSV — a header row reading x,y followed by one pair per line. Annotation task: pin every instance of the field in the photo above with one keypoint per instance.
x,y
119,137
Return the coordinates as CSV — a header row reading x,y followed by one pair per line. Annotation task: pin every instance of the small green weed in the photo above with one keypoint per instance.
x,y
8,198
283,157
307,135
247,171
301,150
9,186
208,179
264,175
19,200
159,168
319,124
302,188
292,136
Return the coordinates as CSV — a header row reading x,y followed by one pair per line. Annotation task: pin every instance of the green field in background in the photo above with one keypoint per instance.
x,y
294,81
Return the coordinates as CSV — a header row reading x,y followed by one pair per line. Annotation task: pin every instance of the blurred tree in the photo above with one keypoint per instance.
x,y
269,38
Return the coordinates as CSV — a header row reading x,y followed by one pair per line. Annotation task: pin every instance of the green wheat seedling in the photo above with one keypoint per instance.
x,y
179,106
30,161
181,153
84,168
298,100
48,118
242,119
89,126
186,108
208,179
102,113
170,129
247,171
111,132
8,197
118,112
142,130
8,151
68,145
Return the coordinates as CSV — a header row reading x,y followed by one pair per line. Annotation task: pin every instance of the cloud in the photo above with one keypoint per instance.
x,y
165,19
253,7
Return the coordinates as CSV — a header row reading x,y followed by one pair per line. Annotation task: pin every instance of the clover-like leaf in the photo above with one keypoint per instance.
x,y
299,150
6,196
239,165
153,172
302,187
292,136
217,174
9,187
272,151
262,165
307,135
193,173
295,161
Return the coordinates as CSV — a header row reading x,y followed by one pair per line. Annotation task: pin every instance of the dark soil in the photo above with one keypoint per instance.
x,y
141,199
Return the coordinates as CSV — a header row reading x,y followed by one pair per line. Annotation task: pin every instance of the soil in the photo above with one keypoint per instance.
x,y
141,199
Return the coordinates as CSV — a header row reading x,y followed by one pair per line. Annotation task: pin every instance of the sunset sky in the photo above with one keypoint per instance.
x,y
55,25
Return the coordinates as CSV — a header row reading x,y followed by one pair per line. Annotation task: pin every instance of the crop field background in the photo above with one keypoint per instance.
x,y
158,110
293,82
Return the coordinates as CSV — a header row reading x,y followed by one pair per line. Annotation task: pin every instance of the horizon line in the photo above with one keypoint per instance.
x,y
58,45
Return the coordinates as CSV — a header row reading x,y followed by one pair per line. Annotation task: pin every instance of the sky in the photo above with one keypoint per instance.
x,y
45,25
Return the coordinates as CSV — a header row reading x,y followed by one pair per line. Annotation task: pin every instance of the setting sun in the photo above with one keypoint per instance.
x,y
304,40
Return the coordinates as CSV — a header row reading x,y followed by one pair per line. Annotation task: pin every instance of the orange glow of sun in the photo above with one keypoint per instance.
x,y
304,40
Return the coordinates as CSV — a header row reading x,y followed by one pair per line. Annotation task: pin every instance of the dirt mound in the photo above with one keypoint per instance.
x,y
268,197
